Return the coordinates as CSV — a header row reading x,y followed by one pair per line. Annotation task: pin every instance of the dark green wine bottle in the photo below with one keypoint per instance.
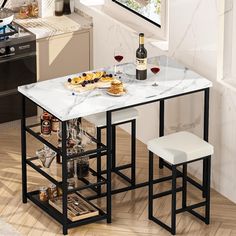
x,y
141,59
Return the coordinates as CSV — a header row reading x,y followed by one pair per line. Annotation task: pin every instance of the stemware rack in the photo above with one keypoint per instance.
x,y
100,150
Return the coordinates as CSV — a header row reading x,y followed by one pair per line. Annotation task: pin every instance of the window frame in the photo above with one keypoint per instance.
x,y
140,15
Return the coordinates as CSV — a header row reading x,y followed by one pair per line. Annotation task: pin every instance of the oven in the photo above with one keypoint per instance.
x,y
17,67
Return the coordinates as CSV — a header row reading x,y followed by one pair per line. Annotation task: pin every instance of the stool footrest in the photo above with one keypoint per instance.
x,y
123,176
197,215
180,174
165,226
122,167
165,193
188,208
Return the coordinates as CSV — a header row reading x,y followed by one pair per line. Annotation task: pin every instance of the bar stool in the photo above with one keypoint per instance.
x,y
179,149
119,117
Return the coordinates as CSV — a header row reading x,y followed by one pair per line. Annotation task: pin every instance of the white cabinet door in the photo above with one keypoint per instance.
x,y
63,55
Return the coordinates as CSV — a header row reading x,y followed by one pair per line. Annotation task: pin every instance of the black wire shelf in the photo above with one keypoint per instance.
x,y
50,210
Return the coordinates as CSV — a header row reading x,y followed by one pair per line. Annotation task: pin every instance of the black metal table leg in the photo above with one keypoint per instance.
x,y
113,162
64,178
150,192
99,164
173,204
184,192
23,152
133,152
205,136
161,126
109,156
208,190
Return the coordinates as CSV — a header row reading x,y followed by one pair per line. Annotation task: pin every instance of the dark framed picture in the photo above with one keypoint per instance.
x,y
150,10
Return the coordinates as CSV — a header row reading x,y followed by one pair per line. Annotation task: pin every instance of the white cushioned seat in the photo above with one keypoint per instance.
x,y
180,147
99,119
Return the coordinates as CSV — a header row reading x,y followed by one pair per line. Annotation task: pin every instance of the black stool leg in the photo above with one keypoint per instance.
x,y
150,192
113,159
161,127
208,189
133,152
184,192
99,164
173,201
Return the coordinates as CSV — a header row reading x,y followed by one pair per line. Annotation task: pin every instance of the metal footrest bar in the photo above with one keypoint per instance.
x,y
165,193
190,180
200,217
103,153
123,176
94,188
188,208
139,185
122,167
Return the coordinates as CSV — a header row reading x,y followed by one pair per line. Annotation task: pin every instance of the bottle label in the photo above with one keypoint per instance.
x,y
141,64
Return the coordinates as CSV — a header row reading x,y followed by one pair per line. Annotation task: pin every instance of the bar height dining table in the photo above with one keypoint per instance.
x,y
172,81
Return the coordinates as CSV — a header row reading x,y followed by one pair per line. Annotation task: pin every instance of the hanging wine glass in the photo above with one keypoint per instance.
x,y
46,156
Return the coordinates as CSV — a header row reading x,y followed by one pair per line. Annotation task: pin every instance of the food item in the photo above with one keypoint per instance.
x,y
55,124
33,9
88,81
46,124
116,87
43,195
141,60
52,192
77,80
107,78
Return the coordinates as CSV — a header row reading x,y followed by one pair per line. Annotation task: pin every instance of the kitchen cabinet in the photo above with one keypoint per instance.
x,y
64,54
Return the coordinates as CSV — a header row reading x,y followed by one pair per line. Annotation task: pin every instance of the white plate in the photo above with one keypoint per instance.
x,y
117,94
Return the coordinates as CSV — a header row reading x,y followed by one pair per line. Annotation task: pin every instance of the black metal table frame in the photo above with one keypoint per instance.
x,y
108,153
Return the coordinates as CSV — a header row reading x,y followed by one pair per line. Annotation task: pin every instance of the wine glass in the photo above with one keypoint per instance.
x,y
154,65
118,56
46,156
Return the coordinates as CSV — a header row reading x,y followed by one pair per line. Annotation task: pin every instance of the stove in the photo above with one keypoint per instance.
x,y
14,34
17,67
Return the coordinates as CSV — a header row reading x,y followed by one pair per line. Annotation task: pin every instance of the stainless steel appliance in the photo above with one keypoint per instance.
x,y
17,67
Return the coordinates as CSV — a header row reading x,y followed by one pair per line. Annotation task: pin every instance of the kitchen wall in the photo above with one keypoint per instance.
x,y
193,40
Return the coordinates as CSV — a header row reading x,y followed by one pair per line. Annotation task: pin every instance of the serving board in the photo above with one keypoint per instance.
x,y
77,208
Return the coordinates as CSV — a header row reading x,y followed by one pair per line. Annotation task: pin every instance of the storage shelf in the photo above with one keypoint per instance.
x,y
30,162
57,180
45,206
101,149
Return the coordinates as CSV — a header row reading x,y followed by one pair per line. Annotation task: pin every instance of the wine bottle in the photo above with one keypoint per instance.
x,y
141,59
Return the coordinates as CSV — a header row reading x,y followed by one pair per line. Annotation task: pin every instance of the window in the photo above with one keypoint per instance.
x,y
228,44
147,9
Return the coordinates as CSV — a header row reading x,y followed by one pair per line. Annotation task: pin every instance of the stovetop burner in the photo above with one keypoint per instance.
x,y
6,31
14,34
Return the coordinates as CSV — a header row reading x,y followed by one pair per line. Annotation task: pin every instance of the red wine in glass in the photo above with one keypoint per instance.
x,y
118,58
155,70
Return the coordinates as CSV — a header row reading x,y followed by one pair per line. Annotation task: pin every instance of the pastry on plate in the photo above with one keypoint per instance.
x,y
117,87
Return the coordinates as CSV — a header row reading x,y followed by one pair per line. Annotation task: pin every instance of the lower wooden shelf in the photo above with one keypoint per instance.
x,y
58,216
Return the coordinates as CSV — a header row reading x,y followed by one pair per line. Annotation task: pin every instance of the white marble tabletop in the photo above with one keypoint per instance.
x,y
173,79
